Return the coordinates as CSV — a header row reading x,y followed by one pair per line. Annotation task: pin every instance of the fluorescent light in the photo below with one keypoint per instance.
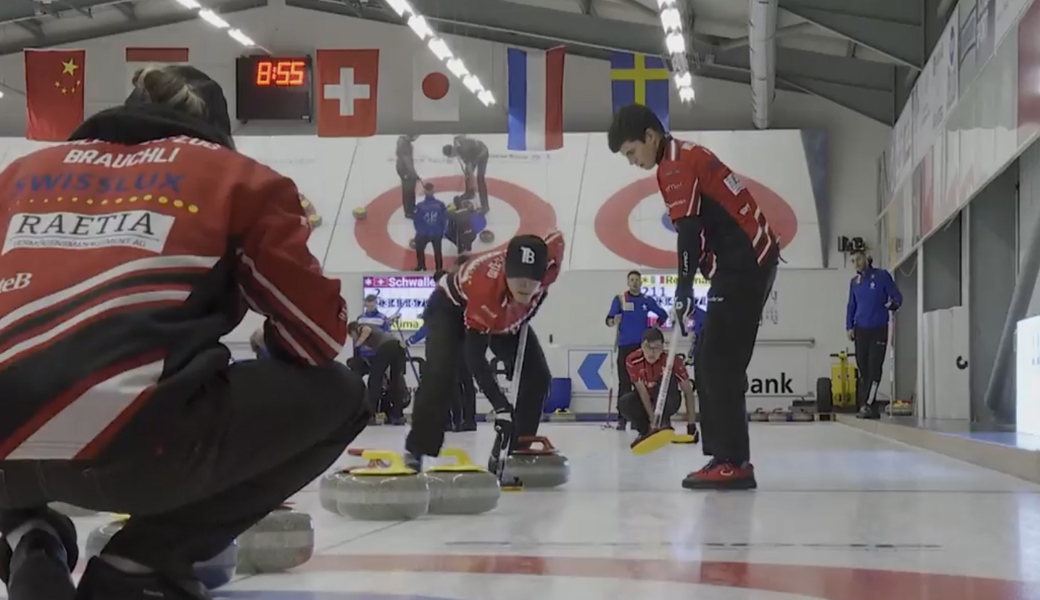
x,y
421,27
213,19
683,79
671,19
192,4
241,38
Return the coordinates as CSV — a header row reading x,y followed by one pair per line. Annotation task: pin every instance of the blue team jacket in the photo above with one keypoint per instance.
x,y
872,294
372,319
430,218
633,316
418,336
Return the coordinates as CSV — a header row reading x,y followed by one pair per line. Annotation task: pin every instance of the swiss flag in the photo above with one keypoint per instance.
x,y
347,85
435,93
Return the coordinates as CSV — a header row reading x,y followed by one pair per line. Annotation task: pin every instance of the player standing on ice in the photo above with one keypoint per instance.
x,y
473,156
477,306
712,212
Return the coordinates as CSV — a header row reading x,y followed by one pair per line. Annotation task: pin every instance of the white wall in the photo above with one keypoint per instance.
x,y
811,302
1029,210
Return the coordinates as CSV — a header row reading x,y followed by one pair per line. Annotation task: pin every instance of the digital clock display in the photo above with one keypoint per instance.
x,y
274,87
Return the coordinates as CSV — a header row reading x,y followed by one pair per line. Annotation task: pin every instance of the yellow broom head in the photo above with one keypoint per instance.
x,y
652,442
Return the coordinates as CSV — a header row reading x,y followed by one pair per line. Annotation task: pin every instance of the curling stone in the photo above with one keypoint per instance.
x,y
72,511
759,416
802,416
282,540
381,493
461,488
487,236
541,467
360,213
328,488
562,415
779,415
213,573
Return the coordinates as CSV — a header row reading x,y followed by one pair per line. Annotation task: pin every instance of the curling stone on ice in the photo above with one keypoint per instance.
x,y
212,573
282,540
802,415
461,488
537,467
759,416
779,415
360,213
72,511
328,487
487,236
379,493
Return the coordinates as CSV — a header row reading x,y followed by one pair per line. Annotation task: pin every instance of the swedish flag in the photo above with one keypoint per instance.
x,y
639,79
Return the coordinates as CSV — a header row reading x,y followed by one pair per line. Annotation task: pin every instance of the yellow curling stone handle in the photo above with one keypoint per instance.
x,y
397,466
462,462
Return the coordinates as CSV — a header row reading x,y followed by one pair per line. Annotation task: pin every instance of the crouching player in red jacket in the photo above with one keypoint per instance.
x,y
128,254
482,305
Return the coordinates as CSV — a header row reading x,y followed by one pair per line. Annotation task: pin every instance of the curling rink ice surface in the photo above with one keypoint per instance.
x,y
839,514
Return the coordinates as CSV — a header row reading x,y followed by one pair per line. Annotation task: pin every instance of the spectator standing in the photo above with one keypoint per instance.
x,y
872,296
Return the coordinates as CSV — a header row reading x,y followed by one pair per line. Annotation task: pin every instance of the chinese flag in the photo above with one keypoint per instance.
x,y
347,86
53,93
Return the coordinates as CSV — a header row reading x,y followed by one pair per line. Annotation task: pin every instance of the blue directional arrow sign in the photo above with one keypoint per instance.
x,y
589,371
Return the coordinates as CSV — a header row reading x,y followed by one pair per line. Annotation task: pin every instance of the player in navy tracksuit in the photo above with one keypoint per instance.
x,y
872,295
430,220
628,312
359,363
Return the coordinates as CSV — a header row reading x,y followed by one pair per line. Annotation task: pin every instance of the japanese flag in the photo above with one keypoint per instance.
x,y
435,91
141,57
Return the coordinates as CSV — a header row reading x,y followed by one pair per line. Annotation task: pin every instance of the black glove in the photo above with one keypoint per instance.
x,y
504,424
683,309
892,306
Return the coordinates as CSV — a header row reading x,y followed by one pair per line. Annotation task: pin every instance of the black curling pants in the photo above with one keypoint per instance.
x,y
446,334
389,357
631,406
735,304
237,450
464,405
871,344
624,381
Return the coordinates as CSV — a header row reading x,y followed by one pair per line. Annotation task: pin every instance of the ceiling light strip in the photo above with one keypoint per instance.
x,y
675,43
215,20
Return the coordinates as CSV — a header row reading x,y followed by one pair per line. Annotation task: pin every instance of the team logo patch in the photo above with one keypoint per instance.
x,y
733,183
142,229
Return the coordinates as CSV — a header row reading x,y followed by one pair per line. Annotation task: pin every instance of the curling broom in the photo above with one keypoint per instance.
x,y
503,442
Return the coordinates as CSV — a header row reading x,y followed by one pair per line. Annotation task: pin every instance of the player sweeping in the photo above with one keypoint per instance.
x,y
713,212
473,157
484,304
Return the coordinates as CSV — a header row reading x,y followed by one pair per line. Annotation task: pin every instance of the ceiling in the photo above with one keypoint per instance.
x,y
862,54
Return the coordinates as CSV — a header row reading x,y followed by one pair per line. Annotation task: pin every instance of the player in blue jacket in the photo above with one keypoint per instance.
x,y
872,296
359,363
629,312
430,220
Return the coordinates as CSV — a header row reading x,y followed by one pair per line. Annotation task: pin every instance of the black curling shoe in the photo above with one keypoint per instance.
x,y
102,581
38,569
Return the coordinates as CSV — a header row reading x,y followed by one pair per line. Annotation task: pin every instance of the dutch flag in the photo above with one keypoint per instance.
x,y
535,102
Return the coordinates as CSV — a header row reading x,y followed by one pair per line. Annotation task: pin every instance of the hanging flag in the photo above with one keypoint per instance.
x,y
53,93
640,79
138,58
535,99
435,93
347,89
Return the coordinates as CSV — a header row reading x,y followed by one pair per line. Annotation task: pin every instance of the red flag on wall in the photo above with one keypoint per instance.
x,y
347,86
53,93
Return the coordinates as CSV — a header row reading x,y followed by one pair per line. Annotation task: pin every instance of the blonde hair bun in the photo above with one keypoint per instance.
x,y
162,85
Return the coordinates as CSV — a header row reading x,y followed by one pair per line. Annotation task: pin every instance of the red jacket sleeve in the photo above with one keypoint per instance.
x,y
679,371
281,279
554,241
632,368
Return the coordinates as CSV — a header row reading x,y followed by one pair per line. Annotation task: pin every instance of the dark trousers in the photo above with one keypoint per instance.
x,y
408,194
624,382
464,404
735,304
632,407
871,344
387,397
420,251
444,347
237,450
479,170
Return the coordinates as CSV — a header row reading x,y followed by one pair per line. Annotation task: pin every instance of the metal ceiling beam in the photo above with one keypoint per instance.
x,y
127,9
586,7
89,33
863,86
894,28
34,27
639,6
12,10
